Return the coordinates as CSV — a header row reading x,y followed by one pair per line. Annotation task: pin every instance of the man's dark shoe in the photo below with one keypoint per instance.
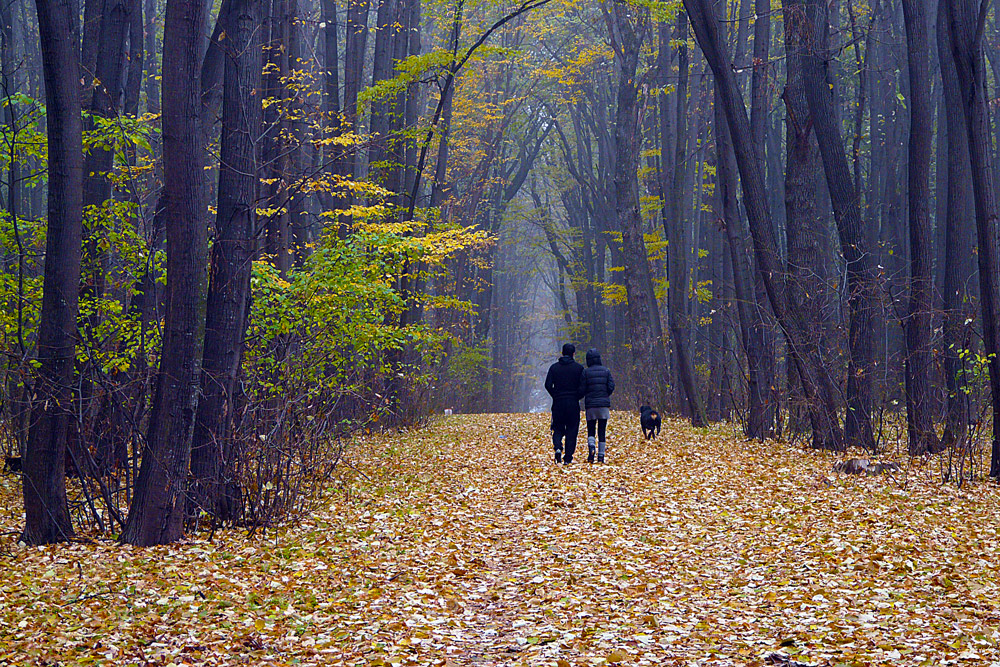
x,y
558,457
567,462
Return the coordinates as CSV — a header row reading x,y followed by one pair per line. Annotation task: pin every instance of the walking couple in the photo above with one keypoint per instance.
x,y
567,382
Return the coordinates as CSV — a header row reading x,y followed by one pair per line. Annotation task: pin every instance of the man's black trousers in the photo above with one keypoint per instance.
x,y
565,424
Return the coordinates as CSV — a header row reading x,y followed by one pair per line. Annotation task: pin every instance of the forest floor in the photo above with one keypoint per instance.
x,y
464,544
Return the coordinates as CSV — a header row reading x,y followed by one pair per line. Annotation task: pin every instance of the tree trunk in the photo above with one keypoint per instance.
x,y
156,515
43,483
966,22
804,226
648,357
752,309
959,274
862,277
212,67
815,380
414,97
386,31
152,61
105,103
763,410
213,451
331,58
93,21
136,53
743,280
919,355
278,241
678,271
44,480
355,40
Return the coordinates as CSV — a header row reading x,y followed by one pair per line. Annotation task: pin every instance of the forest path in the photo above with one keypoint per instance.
x,y
696,548
462,543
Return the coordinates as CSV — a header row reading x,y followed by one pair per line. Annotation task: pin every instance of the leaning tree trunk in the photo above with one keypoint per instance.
x,y
680,275
958,238
966,21
213,451
648,357
759,420
862,277
743,276
44,481
919,355
815,379
156,515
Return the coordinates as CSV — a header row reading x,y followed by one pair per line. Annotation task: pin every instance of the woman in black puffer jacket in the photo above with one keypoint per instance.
x,y
596,386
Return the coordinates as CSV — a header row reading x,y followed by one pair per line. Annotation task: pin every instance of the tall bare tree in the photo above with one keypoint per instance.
x,y
156,515
862,276
233,251
919,354
967,25
673,222
44,481
816,382
959,233
629,26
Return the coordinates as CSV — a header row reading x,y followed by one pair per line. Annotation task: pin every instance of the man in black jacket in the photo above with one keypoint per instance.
x,y
596,386
562,382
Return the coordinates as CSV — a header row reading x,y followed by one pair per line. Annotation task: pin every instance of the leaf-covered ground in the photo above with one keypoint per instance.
x,y
463,544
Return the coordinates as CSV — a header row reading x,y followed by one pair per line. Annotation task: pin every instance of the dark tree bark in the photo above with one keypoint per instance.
x,y
213,451
815,379
386,31
278,236
152,60
959,274
763,409
156,515
414,99
443,115
804,226
673,222
44,481
135,56
212,67
8,81
739,243
355,40
629,26
919,354
331,57
862,277
93,20
105,103
966,23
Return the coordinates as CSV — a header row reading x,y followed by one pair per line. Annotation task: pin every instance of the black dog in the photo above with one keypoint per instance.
x,y
12,464
649,419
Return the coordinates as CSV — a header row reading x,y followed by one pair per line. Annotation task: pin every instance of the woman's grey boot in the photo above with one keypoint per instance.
x,y
591,448
600,452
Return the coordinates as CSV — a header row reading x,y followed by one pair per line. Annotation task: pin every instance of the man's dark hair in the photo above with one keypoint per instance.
x,y
569,350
